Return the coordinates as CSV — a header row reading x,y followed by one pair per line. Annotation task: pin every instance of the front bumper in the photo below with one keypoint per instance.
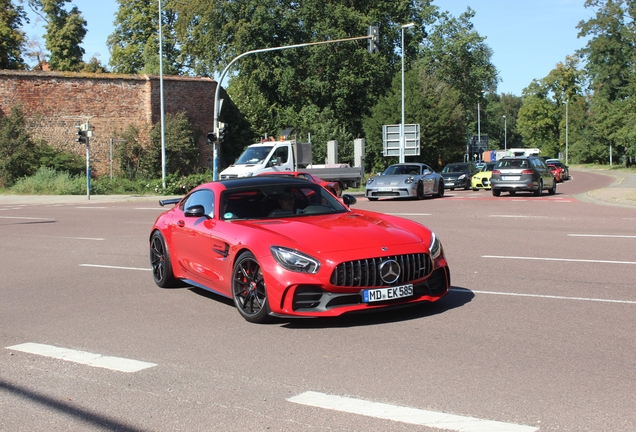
x,y
391,192
310,296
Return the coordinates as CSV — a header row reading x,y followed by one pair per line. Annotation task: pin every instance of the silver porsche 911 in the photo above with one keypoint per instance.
x,y
405,180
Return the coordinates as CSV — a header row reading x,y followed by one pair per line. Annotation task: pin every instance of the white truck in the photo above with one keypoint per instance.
x,y
290,156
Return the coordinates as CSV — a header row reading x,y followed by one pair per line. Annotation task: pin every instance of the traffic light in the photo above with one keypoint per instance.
x,y
81,134
374,39
222,133
211,137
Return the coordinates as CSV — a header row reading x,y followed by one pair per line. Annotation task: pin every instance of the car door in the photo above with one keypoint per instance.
x,y
428,178
192,236
544,172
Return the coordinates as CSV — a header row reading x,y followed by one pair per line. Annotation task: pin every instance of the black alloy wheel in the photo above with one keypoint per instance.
x,y
160,262
440,189
539,191
420,190
248,289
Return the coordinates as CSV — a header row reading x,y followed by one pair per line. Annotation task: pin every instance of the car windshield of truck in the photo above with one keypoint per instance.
x,y
254,155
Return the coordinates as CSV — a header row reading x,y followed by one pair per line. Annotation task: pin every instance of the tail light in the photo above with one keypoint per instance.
x,y
496,172
528,171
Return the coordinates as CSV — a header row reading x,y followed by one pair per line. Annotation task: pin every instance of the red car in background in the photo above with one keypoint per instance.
x,y
332,186
559,175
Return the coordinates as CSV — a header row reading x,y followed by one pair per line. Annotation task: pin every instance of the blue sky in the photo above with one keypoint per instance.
x,y
528,37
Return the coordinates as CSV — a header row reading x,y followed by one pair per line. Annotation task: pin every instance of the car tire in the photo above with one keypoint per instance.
x,y
372,199
452,189
248,289
440,190
512,192
420,190
160,262
496,192
552,190
539,190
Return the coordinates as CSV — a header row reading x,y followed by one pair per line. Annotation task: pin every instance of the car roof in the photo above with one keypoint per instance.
x,y
259,181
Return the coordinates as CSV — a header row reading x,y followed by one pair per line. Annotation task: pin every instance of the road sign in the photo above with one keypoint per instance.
x,y
391,140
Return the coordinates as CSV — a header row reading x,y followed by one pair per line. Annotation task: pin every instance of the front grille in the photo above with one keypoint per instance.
x,y
366,272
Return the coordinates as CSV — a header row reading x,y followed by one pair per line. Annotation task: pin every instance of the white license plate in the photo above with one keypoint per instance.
x,y
510,177
383,294
385,189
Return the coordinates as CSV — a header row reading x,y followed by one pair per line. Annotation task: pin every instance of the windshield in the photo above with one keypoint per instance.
x,y
279,201
402,170
254,155
454,169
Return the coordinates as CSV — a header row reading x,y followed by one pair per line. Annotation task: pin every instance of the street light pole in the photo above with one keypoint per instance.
x,y
505,135
163,132
567,103
402,142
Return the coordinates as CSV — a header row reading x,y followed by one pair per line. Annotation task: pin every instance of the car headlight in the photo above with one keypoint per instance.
x,y
435,248
370,181
461,177
295,261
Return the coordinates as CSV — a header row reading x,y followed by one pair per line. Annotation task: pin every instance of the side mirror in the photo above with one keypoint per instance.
x,y
349,200
195,211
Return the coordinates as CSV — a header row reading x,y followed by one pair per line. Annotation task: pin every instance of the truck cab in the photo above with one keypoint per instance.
x,y
262,157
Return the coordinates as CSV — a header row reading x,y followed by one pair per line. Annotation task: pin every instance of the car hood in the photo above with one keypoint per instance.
x,y
390,179
344,232
483,174
452,175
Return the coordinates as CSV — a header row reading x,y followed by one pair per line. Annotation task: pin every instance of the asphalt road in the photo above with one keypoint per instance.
x,y
537,334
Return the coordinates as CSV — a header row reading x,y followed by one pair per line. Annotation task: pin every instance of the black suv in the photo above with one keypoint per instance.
x,y
523,173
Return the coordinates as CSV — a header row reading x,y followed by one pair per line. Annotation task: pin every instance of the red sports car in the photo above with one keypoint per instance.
x,y
281,246
559,175
332,186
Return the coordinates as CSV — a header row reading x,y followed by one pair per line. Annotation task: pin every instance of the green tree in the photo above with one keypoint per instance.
x,y
65,31
434,105
611,61
342,78
457,53
542,118
19,156
134,44
12,39
182,152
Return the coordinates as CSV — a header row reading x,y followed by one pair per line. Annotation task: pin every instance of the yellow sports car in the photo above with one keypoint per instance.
x,y
481,180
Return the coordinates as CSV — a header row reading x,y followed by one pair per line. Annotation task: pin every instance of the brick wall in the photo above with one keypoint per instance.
x,y
55,102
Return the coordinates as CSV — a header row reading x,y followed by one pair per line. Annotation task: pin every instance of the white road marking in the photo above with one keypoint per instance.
x,y
114,267
559,259
91,207
547,296
406,414
82,357
600,235
24,217
518,216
